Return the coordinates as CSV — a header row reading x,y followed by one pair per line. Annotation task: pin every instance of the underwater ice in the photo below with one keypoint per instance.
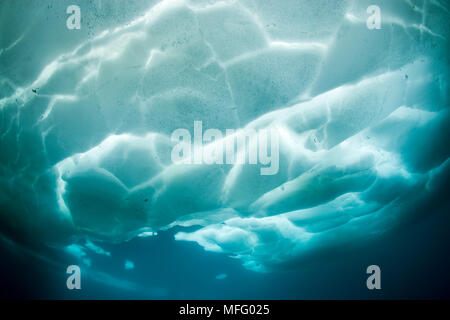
x,y
86,118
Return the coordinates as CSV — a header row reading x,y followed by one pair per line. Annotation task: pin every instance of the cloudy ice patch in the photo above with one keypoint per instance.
x,y
129,265
221,276
361,114
79,252
146,234
82,252
96,249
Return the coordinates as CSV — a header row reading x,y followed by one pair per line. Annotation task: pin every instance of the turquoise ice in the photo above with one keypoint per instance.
x,y
86,119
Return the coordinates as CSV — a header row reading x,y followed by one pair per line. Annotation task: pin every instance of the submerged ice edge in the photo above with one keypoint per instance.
x,y
89,148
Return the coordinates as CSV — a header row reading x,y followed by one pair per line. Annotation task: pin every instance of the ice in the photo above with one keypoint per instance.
x,y
87,116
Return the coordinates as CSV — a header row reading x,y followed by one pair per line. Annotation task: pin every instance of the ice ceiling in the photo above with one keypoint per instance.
x,y
86,119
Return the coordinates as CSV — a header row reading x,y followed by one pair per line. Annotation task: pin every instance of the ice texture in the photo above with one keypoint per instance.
x,y
86,118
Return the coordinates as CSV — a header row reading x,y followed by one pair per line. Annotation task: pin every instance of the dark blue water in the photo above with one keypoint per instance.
x,y
414,263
